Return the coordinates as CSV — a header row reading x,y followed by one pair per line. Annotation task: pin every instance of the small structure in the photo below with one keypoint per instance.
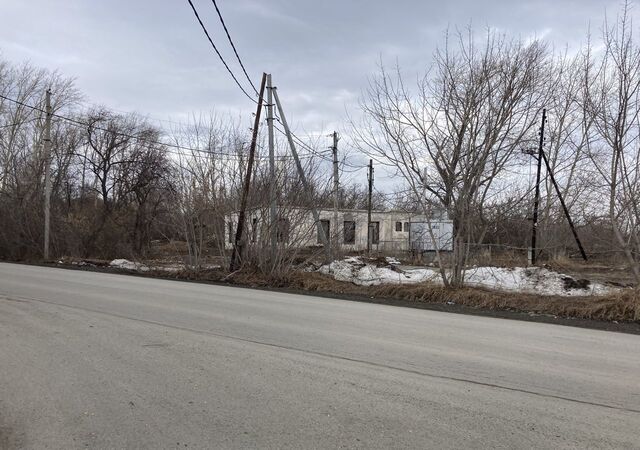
x,y
391,231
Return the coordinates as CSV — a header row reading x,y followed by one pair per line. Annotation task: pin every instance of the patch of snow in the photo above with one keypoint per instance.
x,y
172,268
353,260
533,280
392,261
128,265
180,267
139,267
354,270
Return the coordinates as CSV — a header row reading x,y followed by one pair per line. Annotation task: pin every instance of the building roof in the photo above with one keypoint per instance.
x,y
349,210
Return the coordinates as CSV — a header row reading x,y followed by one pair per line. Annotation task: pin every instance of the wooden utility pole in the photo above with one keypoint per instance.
x,y
316,217
369,231
273,220
536,200
47,173
237,245
336,193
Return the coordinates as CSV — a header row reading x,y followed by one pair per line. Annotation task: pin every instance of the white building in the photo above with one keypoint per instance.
x,y
392,231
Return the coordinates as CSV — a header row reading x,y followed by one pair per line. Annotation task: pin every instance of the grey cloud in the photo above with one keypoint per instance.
x,y
151,56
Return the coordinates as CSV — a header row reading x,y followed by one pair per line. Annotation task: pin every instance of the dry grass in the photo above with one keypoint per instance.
x,y
607,272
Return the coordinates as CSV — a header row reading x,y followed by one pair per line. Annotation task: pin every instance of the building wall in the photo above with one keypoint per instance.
x,y
442,232
303,231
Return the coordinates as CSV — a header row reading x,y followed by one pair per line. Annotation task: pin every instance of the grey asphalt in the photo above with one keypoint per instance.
x,y
113,361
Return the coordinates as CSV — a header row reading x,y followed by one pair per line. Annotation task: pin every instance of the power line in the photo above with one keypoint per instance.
x,y
233,46
323,155
147,117
346,164
352,171
306,146
80,123
15,124
302,143
206,32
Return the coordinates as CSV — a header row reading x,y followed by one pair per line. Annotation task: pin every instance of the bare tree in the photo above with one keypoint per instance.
x,y
452,139
21,159
207,177
612,103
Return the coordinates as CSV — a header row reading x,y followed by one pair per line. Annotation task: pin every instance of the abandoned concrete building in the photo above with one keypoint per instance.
x,y
391,231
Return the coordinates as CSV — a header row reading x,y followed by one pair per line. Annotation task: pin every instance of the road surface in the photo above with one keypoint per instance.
x,y
113,361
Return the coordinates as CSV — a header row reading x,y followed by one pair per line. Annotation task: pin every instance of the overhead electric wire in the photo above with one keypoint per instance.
x,y
300,141
206,32
323,155
147,117
233,46
354,170
15,124
306,146
82,124
118,133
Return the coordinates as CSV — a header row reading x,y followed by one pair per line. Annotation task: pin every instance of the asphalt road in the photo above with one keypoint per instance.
x,y
112,361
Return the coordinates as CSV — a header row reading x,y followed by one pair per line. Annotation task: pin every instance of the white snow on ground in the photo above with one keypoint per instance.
x,y
354,270
534,280
128,265
179,267
392,261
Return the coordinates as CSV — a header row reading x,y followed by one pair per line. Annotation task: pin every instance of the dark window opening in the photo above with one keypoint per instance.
x,y
375,232
406,227
323,228
282,234
230,231
349,232
254,230
398,226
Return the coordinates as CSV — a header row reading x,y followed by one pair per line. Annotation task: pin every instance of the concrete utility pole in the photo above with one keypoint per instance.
x,y
237,244
564,206
316,217
369,231
336,193
47,173
543,157
536,200
273,220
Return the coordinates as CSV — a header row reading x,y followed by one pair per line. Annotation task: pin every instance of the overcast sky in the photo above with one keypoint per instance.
x,y
151,56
